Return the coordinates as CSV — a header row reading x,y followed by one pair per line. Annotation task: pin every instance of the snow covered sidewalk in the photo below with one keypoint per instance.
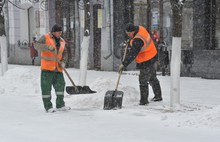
x,y
23,118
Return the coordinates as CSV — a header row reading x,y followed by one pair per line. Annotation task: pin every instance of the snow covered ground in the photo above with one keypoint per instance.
x,y
23,119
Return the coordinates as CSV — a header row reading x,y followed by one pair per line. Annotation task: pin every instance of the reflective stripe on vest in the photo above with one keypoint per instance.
x,y
148,50
147,41
49,61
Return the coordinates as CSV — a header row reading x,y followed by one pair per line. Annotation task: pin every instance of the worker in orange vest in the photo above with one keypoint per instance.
x,y
53,59
144,51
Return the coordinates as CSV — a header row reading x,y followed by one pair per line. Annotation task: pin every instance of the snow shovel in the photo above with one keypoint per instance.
x,y
75,90
113,98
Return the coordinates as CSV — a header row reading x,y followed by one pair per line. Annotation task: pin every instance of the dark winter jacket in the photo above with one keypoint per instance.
x,y
135,49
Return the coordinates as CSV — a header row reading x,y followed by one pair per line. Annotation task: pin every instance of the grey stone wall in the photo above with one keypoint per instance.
x,y
206,64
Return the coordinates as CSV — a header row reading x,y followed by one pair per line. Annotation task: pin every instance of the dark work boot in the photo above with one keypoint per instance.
x,y
144,95
157,92
154,99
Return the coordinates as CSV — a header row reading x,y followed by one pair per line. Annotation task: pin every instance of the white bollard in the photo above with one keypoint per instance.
x,y
4,54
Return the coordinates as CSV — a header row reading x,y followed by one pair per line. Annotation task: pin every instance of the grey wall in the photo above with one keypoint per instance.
x,y
206,64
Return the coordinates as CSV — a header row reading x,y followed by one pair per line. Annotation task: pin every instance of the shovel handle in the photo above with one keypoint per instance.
x,y
118,80
126,47
121,70
67,74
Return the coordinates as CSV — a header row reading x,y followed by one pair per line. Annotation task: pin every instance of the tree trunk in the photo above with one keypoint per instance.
x,y
85,45
176,54
87,18
177,18
58,8
2,25
2,21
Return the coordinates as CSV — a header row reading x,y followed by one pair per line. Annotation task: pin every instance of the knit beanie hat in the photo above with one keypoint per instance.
x,y
130,27
56,28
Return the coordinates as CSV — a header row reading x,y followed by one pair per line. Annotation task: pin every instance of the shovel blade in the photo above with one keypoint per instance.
x,y
113,100
80,90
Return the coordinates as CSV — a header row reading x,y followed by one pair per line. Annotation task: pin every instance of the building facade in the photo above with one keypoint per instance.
x,y
26,20
206,39
200,32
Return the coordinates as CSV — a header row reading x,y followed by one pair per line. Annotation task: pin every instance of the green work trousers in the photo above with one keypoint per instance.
x,y
55,79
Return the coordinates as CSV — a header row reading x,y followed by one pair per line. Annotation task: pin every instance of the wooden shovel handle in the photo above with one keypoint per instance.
x,y
67,74
121,71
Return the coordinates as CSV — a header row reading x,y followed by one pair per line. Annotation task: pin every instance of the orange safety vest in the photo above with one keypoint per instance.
x,y
49,60
148,50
